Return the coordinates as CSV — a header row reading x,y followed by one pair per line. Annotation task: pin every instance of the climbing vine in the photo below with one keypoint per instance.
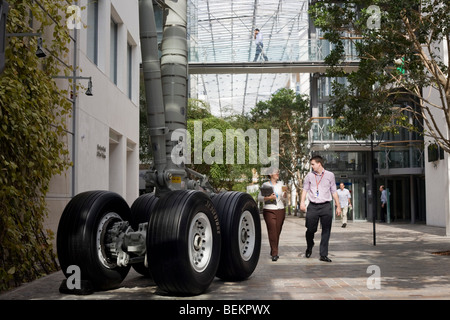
x,y
32,128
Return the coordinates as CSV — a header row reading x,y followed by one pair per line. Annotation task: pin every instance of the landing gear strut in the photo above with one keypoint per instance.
x,y
183,235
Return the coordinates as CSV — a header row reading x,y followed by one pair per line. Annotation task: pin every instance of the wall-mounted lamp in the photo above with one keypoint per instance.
x,y
89,89
39,52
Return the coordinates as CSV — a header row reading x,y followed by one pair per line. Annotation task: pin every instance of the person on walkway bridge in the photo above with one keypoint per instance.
x,y
259,46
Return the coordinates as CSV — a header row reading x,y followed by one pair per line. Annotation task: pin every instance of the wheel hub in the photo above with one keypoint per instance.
x,y
200,247
247,236
244,235
104,239
197,242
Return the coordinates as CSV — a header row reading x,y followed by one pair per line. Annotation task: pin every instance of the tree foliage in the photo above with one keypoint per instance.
x,y
288,112
399,59
221,173
32,151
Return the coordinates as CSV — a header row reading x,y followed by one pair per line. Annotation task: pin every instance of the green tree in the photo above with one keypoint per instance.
x,y
198,109
32,149
288,112
221,174
397,60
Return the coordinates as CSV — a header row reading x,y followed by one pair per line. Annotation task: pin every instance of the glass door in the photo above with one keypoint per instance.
x,y
349,186
359,199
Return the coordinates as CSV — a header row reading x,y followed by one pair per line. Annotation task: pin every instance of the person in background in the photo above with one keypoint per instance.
x,y
345,202
319,186
383,203
273,211
259,46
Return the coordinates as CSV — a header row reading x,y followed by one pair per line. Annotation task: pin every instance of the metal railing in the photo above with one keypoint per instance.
x,y
390,154
401,154
320,131
277,50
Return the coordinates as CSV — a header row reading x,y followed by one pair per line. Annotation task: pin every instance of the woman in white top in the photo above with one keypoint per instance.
x,y
273,211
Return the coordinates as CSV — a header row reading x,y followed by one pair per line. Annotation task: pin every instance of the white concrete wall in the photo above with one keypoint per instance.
x,y
436,190
108,114
437,174
110,109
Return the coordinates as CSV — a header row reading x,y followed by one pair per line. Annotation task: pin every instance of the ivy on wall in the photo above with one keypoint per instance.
x,y
32,128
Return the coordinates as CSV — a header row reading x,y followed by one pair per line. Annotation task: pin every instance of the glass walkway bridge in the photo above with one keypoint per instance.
x,y
222,50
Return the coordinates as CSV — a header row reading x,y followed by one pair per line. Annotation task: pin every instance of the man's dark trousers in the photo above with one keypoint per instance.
x,y
319,212
383,213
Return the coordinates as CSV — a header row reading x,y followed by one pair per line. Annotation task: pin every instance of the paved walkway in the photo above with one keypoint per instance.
x,y
403,257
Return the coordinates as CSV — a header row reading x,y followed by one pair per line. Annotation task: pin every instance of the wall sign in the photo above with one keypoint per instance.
x,y
101,151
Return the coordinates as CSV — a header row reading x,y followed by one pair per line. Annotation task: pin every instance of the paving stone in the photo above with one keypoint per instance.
x,y
403,255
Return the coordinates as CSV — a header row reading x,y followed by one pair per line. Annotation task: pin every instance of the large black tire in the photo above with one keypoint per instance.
x,y
81,235
241,235
141,210
183,242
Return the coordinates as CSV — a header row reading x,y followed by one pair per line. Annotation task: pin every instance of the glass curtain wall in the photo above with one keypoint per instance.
x,y
223,32
398,163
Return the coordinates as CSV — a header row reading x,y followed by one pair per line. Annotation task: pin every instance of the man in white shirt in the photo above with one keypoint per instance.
x,y
259,46
345,202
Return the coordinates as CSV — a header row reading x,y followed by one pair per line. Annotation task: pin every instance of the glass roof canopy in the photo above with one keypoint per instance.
x,y
222,32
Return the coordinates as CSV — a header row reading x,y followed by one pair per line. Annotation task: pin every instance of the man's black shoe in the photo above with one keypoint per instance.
x,y
325,258
344,225
308,253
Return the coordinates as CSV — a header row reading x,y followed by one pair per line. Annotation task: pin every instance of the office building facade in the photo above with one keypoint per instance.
x,y
103,129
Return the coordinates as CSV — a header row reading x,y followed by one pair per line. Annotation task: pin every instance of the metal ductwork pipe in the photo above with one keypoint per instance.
x,y
165,88
174,73
153,85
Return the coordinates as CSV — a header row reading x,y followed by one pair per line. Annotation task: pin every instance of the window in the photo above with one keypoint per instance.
x,y
113,53
92,31
130,70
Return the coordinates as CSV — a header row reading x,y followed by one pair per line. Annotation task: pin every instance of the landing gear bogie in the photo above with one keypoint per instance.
x,y
183,239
